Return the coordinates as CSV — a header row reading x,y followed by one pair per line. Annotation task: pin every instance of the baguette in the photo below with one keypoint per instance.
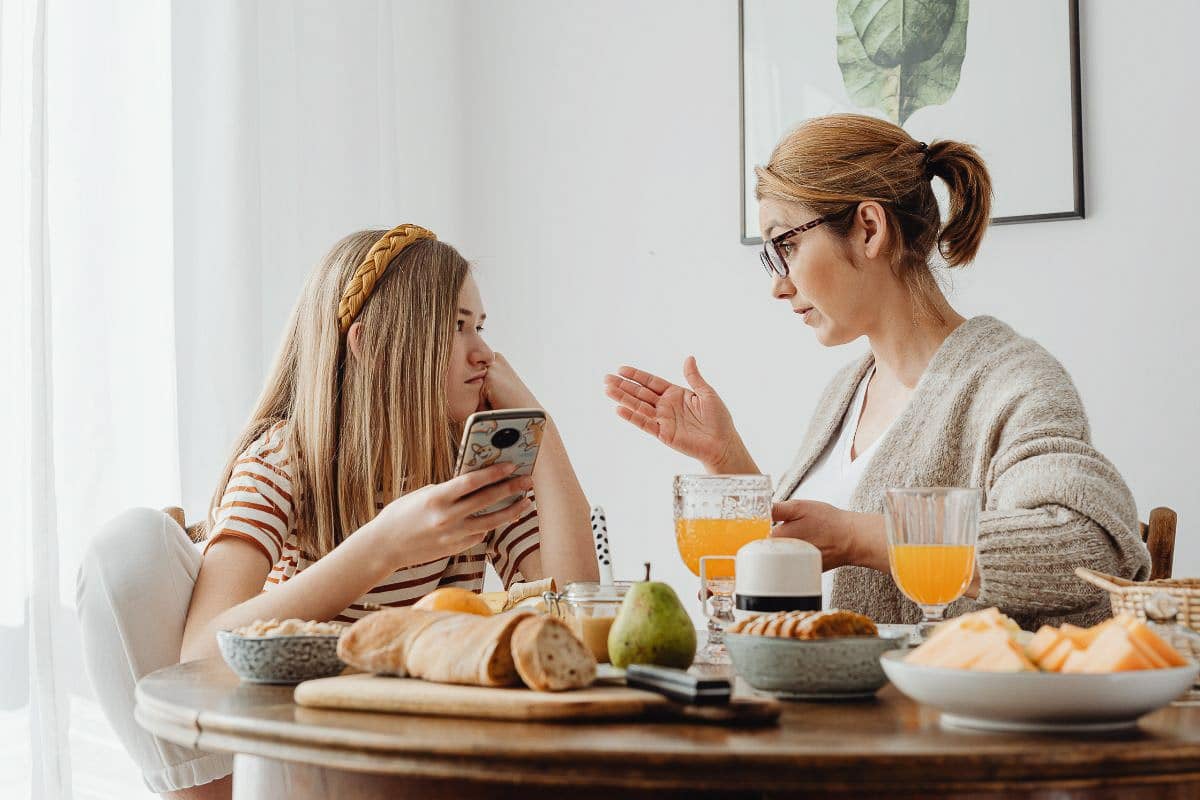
x,y
467,648
549,658
519,592
380,641
443,646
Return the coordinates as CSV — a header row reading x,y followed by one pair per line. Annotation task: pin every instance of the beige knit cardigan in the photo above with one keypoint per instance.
x,y
993,410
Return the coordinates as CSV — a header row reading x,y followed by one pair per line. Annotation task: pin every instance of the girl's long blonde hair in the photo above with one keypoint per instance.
x,y
376,424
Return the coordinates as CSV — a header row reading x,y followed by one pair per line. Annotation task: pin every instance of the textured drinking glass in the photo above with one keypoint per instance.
x,y
716,597
714,516
931,546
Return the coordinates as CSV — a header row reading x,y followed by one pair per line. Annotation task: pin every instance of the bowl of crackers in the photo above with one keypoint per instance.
x,y
811,655
287,651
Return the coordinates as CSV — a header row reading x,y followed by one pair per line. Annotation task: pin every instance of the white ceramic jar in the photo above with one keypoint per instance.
x,y
777,575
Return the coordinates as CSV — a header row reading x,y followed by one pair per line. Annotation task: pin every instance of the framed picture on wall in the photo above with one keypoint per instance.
x,y
1002,75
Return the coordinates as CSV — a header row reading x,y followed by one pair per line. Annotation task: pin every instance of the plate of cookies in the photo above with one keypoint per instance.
x,y
812,655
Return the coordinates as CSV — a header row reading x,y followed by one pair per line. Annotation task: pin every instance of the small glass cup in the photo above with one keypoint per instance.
x,y
589,609
714,516
716,596
931,547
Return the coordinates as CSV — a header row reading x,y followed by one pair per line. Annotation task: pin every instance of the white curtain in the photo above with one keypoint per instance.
x,y
168,173
88,351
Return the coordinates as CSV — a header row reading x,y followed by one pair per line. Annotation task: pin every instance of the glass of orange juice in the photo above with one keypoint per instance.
x,y
714,516
931,546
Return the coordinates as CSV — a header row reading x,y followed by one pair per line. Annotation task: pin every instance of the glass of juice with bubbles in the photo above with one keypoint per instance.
x,y
714,516
931,546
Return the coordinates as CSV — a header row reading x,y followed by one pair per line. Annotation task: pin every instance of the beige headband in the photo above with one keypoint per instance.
x,y
371,270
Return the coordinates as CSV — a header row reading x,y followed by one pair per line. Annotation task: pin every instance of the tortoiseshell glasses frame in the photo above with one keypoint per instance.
x,y
772,257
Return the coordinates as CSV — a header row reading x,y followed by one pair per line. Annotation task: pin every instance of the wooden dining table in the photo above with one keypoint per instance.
x,y
886,747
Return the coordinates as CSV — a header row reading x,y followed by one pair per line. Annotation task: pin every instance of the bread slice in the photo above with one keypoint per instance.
x,y
548,656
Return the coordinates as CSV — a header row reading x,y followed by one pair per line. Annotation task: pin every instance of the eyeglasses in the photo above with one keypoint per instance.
x,y
772,257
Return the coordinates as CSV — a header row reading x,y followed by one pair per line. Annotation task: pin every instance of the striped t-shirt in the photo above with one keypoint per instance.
x,y
257,507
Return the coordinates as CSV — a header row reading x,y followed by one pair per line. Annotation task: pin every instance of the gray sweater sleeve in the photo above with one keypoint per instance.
x,y
1054,504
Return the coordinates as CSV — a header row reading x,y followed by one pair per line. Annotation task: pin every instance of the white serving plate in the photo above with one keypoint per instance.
x,y
1038,701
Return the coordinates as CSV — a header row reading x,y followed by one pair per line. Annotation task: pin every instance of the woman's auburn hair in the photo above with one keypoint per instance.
x,y
365,428
833,163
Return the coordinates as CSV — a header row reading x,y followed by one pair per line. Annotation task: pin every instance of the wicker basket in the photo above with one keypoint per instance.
x,y
1129,597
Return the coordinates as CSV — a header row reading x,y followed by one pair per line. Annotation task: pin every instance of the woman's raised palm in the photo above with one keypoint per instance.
x,y
693,421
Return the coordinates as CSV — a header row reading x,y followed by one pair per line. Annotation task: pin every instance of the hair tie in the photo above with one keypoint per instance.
x,y
372,268
923,149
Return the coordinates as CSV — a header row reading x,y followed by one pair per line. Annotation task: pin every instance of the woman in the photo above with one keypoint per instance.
x,y
849,224
340,491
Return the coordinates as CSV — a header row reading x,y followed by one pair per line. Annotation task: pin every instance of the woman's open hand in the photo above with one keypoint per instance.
x,y
435,521
692,421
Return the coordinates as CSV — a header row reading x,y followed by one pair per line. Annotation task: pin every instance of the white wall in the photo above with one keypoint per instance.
x,y
585,156
605,228
295,124
604,212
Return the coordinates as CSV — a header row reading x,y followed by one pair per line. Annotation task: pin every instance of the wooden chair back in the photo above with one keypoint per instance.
x,y
1159,536
198,531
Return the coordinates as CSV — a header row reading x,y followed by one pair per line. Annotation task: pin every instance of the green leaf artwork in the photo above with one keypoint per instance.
x,y
898,56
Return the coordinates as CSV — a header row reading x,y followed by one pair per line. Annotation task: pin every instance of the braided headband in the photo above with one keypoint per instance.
x,y
371,270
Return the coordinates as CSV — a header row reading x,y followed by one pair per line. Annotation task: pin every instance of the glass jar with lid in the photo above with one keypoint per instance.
x,y
589,608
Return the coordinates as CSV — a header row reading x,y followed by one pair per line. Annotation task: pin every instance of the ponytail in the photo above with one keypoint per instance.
x,y
966,176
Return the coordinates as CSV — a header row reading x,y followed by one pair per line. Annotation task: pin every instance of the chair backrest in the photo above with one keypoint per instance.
x,y
1159,536
198,531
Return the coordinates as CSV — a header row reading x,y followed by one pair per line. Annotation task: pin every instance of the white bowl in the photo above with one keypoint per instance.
x,y
1038,701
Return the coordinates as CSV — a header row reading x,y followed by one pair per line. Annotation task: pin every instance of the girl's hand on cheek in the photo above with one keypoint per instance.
x,y
503,388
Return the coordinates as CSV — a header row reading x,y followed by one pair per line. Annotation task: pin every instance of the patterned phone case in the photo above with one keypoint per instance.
x,y
502,437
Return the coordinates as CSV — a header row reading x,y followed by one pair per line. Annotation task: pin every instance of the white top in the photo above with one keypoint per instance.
x,y
835,475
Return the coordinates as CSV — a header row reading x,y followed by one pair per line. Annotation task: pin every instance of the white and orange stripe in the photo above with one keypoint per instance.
x,y
257,507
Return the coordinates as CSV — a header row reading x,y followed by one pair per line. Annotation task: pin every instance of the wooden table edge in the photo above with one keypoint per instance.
x,y
294,742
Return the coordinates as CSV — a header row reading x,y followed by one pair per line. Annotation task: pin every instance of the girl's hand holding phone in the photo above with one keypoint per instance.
x,y
435,521
503,388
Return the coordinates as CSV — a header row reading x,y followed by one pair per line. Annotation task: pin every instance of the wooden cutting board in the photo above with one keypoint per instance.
x,y
408,696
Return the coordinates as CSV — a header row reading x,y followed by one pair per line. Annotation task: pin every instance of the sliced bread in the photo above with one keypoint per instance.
x,y
548,656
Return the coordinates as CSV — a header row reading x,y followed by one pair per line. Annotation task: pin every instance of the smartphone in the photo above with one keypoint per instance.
x,y
507,436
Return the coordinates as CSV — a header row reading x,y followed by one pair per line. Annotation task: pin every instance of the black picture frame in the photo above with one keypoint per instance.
x,y
1079,207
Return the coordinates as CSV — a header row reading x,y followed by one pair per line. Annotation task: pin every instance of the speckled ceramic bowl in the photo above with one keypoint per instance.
x,y
813,669
280,659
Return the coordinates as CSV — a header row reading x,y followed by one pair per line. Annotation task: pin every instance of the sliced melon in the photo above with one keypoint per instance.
x,y
1112,651
1148,640
1056,659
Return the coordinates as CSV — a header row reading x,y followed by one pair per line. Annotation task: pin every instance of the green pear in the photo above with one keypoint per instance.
x,y
652,627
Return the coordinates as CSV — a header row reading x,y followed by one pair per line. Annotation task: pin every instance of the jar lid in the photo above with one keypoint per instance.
x,y
779,567
581,591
